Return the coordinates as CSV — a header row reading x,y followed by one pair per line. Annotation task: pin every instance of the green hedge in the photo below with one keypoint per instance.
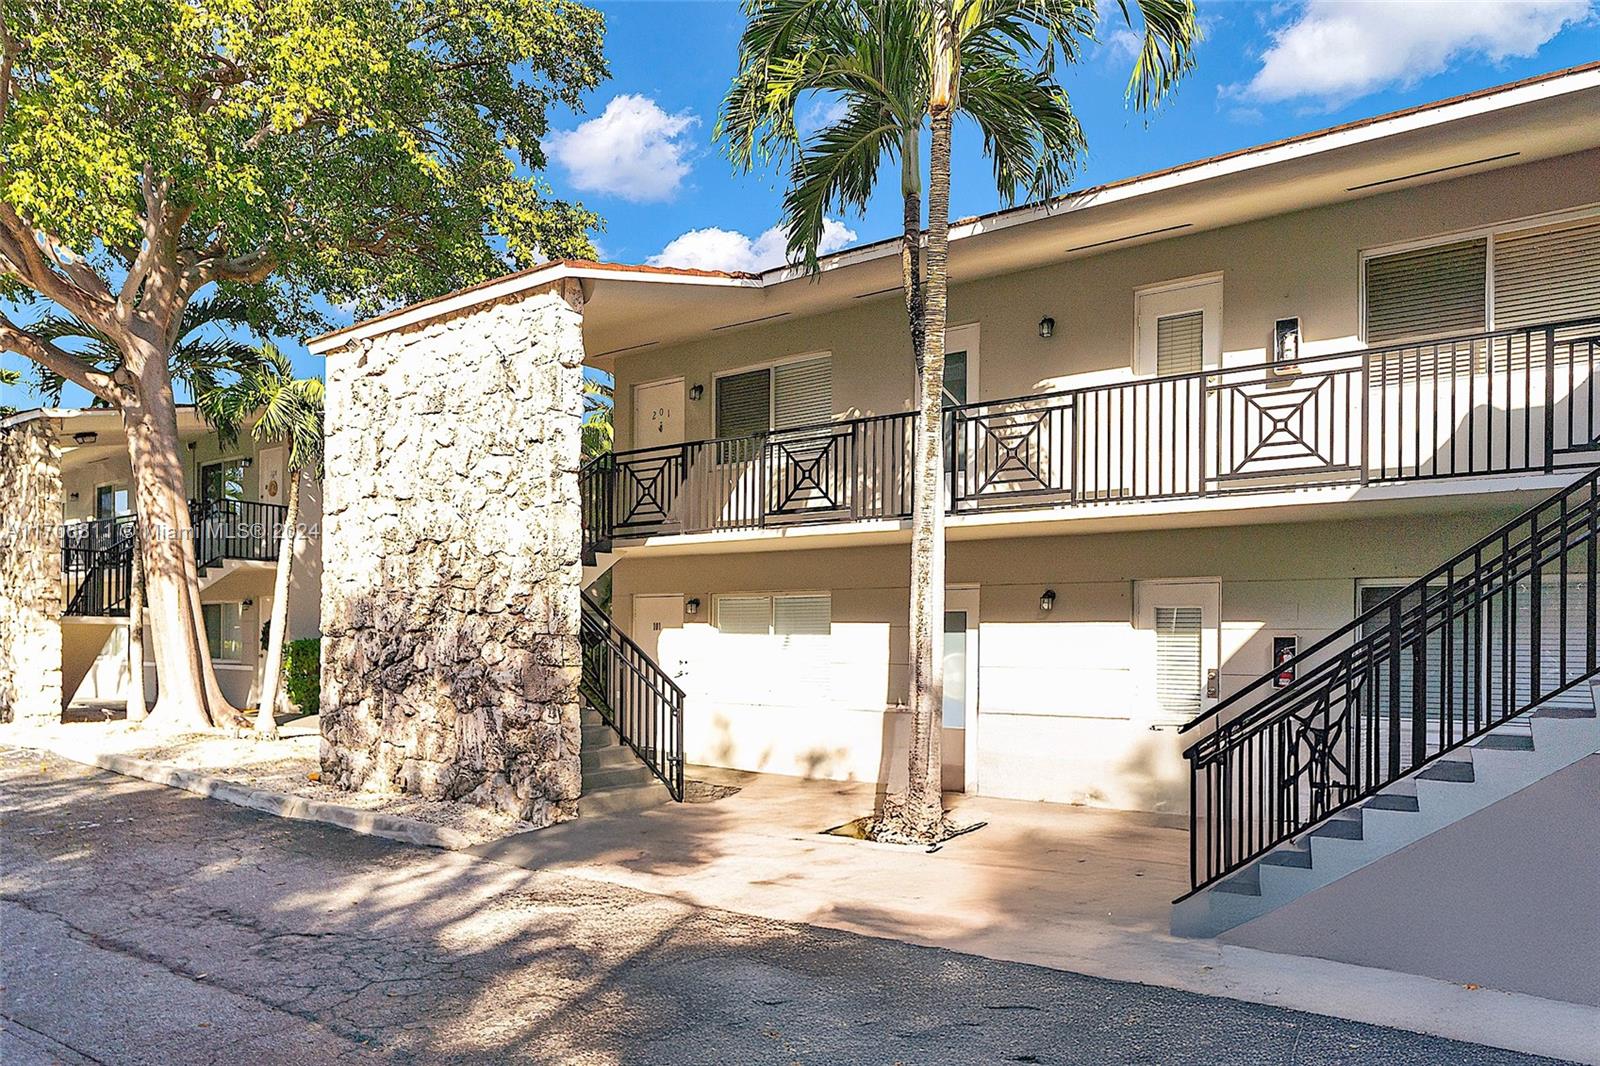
x,y
302,673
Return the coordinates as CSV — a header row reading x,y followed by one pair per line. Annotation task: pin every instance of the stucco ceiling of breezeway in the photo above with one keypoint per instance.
x,y
631,309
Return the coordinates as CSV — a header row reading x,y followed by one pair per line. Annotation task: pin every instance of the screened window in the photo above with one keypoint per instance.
x,y
222,631
222,481
787,616
1180,343
1179,686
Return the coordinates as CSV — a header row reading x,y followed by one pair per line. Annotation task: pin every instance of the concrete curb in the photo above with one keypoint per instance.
x,y
370,823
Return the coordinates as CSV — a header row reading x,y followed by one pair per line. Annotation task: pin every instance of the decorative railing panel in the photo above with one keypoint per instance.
x,y
236,529
634,695
1502,628
1491,403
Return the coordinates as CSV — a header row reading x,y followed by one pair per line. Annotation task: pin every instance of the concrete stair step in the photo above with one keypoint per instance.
x,y
596,780
598,736
1339,828
623,798
1447,770
1391,802
607,757
1506,742
1294,858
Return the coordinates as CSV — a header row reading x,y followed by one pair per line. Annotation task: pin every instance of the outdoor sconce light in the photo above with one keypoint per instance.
x,y
247,462
85,438
247,604
1047,602
73,496
691,607
696,391
1047,327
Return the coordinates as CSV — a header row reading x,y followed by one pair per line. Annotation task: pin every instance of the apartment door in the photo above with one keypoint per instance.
x,y
655,617
274,479
1182,671
658,414
959,740
1179,327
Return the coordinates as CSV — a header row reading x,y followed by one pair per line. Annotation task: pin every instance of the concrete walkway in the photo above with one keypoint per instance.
x,y
1065,887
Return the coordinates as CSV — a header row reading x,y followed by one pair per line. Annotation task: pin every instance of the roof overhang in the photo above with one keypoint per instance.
x,y
634,309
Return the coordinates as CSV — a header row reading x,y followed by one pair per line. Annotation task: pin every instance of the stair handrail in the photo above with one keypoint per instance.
x,y
660,719
1329,739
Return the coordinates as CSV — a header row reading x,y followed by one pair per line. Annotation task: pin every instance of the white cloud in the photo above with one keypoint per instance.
x,y
632,149
721,249
1336,50
821,111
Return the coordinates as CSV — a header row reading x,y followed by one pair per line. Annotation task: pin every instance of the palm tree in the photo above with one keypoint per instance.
x,y
894,67
598,403
8,377
279,408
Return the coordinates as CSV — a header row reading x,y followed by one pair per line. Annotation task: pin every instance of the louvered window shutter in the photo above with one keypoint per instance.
x,y
1547,275
809,615
1178,682
744,403
1427,292
802,393
1180,343
744,615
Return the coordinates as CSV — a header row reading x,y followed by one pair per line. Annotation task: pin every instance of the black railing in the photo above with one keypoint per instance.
x,y
1505,626
1509,401
594,493
634,695
99,578
236,529
97,557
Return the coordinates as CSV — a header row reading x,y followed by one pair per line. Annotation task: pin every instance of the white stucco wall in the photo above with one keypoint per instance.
x,y
1064,699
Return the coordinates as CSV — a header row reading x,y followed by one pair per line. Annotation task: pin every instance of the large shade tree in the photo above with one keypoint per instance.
x,y
291,156
901,73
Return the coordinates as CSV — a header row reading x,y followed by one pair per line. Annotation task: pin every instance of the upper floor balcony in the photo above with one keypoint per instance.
x,y
97,556
1511,401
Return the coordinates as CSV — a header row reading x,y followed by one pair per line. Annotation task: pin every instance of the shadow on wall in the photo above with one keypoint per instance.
x,y
482,708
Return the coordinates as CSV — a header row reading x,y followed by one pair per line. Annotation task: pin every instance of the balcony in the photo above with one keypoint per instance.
x,y
97,557
1509,401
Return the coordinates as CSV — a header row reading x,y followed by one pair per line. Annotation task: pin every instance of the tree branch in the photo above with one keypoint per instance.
x,y
58,361
21,245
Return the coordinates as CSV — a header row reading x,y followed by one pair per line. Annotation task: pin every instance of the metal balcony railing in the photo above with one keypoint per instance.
x,y
1506,401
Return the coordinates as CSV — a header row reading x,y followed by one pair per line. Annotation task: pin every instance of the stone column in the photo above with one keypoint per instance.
x,y
451,573
30,573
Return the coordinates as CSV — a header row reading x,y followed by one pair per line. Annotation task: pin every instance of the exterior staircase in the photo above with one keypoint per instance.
x,y
1459,784
1469,685
632,721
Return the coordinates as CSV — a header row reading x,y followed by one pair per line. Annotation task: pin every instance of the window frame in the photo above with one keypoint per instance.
x,y
772,385
244,462
1487,233
115,487
238,606
772,599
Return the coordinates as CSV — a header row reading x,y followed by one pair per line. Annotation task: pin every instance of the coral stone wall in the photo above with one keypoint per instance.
x,y
451,573
30,573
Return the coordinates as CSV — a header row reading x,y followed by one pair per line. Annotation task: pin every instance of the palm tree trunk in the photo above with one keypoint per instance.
x,y
272,669
911,238
136,705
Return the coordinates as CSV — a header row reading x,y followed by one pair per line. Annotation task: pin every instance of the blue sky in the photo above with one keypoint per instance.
x,y
642,156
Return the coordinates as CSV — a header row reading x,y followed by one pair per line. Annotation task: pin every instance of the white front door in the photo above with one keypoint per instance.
x,y
959,740
658,414
656,620
1182,674
274,480
1179,327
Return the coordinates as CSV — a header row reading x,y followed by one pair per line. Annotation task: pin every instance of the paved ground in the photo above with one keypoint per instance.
x,y
140,924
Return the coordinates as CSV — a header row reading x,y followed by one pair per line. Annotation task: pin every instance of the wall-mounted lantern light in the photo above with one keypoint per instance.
x,y
1047,327
696,391
74,496
691,608
247,604
247,462
85,438
1047,602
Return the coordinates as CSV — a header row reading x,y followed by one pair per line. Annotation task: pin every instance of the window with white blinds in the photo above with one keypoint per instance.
x,y
1428,291
1179,686
802,393
1180,343
777,397
801,614
1547,274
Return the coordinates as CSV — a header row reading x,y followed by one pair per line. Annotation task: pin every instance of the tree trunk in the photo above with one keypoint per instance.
x,y
911,239
188,696
136,705
272,670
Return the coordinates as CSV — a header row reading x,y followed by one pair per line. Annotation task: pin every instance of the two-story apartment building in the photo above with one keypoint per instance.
x,y
81,519
1272,480
1198,421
